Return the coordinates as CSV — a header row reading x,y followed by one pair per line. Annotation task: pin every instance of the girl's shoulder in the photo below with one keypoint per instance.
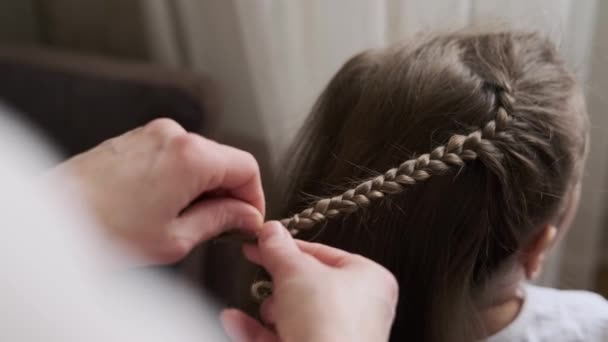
x,y
558,315
572,299
580,314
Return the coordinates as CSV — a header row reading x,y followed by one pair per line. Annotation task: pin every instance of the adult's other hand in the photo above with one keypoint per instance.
x,y
319,294
161,190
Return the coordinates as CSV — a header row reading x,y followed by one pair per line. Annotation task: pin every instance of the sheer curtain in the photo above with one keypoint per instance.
x,y
272,58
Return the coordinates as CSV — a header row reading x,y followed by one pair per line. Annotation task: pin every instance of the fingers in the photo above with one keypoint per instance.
x,y
279,254
252,253
211,217
215,166
242,176
227,168
242,328
328,255
267,311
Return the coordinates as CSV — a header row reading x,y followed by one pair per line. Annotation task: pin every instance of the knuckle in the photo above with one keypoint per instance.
x,y
163,127
392,286
251,162
187,148
178,248
385,277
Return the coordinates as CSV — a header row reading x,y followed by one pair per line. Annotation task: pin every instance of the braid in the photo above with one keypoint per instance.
x,y
459,149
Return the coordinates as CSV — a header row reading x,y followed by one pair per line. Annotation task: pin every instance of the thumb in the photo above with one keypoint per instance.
x,y
209,218
278,251
242,328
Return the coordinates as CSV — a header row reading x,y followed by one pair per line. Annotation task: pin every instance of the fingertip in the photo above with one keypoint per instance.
x,y
251,220
240,327
267,312
212,217
277,249
271,230
230,319
241,174
228,313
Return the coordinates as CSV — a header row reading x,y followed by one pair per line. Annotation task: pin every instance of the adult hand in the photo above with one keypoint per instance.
x,y
319,294
141,187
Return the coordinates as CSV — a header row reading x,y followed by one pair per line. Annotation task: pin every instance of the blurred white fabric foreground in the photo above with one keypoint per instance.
x,y
57,283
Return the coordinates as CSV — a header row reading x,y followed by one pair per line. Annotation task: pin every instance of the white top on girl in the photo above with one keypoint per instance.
x,y
553,315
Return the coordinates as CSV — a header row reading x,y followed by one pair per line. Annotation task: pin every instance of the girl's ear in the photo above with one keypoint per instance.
x,y
570,210
534,254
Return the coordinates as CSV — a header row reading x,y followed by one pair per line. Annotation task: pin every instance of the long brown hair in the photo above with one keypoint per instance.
x,y
483,134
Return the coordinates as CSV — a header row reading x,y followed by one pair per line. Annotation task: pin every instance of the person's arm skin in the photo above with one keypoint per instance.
x,y
140,186
320,294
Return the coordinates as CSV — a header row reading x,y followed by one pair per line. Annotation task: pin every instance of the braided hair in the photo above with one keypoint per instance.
x,y
459,149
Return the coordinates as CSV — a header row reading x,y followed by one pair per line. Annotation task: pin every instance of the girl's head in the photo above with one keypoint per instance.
x,y
494,130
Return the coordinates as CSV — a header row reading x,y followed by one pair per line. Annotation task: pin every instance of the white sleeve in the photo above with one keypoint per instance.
x,y
55,286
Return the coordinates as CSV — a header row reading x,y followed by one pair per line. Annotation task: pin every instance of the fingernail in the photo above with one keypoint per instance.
x,y
259,223
252,222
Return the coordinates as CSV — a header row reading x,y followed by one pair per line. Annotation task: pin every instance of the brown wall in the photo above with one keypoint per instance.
x,y
18,21
107,27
